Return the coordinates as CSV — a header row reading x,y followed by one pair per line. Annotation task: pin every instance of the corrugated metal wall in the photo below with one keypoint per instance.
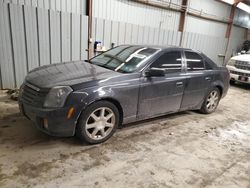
x,y
109,32
135,13
32,37
211,7
142,16
212,46
206,27
238,36
118,33
73,6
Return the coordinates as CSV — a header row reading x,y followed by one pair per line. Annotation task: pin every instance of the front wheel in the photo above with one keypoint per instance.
x,y
98,122
211,101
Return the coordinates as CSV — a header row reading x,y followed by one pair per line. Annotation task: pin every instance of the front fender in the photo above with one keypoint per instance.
x,y
81,99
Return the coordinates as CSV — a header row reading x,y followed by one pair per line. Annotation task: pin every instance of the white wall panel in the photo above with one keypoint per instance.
x,y
146,35
238,32
107,33
19,42
74,6
134,37
210,45
32,37
6,55
236,40
211,7
75,29
151,36
161,37
135,13
121,36
99,32
115,32
84,37
128,33
201,26
43,36
55,37
140,34
66,36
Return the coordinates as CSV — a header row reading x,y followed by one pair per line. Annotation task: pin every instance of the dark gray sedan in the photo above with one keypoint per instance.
x,y
125,84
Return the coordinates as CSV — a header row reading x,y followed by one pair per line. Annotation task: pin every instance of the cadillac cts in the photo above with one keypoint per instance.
x,y
125,84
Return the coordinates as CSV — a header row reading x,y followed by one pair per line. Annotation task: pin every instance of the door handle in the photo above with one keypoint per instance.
x,y
208,78
179,84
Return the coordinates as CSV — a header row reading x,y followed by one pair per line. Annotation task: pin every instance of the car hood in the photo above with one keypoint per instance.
x,y
67,74
244,57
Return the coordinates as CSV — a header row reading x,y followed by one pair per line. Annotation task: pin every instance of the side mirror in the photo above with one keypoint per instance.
x,y
155,72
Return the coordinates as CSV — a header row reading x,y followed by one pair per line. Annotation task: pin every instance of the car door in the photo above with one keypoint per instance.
x,y
197,80
162,94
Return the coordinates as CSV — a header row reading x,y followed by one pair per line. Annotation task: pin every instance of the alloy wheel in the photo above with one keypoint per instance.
x,y
212,100
100,123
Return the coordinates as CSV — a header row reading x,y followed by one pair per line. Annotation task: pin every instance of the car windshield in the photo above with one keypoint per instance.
x,y
124,59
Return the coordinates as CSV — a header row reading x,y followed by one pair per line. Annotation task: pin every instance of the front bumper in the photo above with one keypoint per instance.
x,y
239,75
53,122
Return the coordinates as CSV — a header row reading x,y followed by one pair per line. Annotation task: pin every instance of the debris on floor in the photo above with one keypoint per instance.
x,y
14,93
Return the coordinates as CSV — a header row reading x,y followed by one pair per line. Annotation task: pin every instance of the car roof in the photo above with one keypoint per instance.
x,y
167,47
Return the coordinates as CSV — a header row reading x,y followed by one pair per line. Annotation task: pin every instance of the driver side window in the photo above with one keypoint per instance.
x,y
170,61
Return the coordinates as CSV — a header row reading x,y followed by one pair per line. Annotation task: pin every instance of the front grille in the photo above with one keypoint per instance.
x,y
32,96
240,73
244,65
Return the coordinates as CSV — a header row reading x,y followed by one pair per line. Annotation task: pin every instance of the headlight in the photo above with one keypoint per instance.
x,y
57,96
231,62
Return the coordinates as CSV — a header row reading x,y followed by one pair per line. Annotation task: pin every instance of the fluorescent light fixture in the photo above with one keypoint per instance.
x,y
228,1
244,7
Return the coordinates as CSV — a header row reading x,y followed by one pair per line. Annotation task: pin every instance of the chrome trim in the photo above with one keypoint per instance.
x,y
32,87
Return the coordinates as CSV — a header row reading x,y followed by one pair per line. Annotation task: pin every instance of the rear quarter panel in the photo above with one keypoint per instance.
x,y
222,78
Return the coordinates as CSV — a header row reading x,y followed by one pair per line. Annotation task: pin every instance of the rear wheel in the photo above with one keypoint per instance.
x,y
211,101
98,122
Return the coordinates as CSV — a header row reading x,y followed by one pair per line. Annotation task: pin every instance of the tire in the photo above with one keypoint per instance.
x,y
98,122
212,98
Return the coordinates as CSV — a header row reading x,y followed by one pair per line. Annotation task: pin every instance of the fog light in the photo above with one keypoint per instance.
x,y
70,112
45,123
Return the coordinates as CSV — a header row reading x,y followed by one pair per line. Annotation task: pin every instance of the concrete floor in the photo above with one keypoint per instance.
x,y
183,150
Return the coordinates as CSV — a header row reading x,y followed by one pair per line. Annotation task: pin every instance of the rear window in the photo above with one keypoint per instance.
x,y
194,61
209,64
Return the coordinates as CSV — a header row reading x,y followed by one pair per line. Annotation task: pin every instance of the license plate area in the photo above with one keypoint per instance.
x,y
243,78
